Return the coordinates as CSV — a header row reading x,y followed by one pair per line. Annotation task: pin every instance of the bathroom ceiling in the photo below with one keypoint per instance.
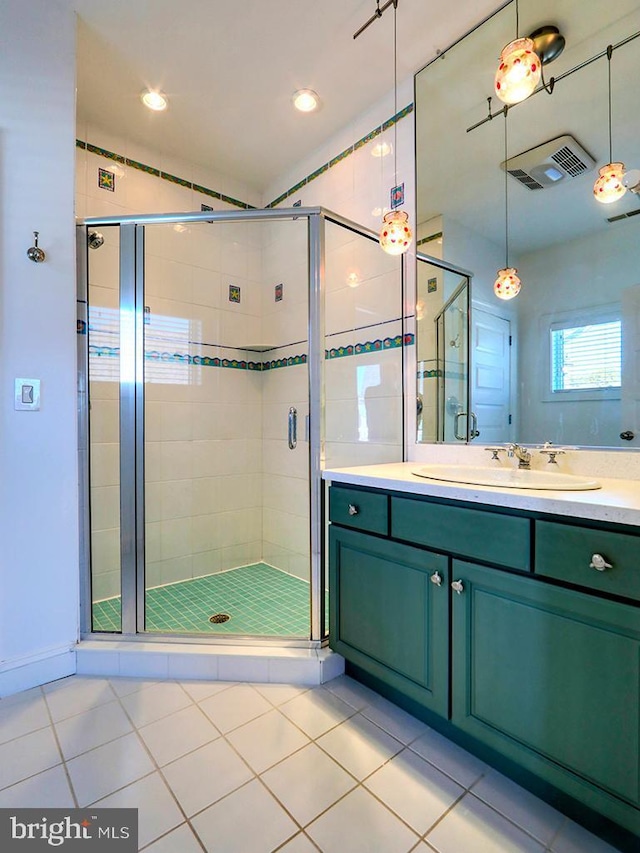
x,y
230,69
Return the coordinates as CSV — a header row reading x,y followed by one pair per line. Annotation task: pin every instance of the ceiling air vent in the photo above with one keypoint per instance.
x,y
550,163
623,216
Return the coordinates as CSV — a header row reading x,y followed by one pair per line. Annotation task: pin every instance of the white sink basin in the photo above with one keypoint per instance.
x,y
506,478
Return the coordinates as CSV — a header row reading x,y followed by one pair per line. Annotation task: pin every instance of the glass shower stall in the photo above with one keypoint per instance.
x,y
224,357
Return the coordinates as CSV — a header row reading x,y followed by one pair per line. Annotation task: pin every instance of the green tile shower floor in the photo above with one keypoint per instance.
x,y
259,600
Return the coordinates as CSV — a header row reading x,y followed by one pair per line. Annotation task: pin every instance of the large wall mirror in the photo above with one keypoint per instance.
x,y
560,362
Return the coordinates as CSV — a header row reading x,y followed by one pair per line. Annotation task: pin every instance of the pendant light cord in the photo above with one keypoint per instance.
x,y
395,93
517,20
506,192
609,55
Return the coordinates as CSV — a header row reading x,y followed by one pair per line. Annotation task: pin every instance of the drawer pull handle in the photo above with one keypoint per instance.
x,y
458,586
353,509
436,578
599,563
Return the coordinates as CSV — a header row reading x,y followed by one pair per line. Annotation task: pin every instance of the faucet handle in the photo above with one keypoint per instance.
x,y
552,452
494,451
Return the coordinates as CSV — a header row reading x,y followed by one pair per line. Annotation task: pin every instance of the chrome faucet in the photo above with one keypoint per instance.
x,y
523,456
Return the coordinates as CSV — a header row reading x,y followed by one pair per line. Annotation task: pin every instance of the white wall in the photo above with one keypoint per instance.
x,y
38,450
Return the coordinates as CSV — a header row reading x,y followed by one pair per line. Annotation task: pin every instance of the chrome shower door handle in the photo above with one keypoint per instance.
x,y
456,421
293,428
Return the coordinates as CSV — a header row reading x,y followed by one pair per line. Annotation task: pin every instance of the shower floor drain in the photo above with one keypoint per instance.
x,y
217,618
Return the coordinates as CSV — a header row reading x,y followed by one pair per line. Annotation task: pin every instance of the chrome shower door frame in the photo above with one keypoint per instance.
x,y
131,419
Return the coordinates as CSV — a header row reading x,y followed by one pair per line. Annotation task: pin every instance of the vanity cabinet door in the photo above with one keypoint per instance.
x,y
550,678
389,613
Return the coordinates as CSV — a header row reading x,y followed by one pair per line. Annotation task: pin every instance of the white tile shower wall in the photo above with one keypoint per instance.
x,y
105,429
363,299
285,489
203,426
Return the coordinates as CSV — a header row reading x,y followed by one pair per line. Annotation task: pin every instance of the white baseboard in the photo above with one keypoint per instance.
x,y
40,668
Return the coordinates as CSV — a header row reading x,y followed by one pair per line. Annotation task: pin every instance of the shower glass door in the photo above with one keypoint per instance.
x,y
102,330
224,364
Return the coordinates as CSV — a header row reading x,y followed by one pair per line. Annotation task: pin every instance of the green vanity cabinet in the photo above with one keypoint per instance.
x,y
389,613
550,678
523,654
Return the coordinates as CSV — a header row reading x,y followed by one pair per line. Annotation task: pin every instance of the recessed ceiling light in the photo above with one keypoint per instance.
x,y
305,100
154,100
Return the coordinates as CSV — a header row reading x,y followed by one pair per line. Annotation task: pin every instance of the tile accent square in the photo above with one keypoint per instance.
x,y
234,293
396,197
106,180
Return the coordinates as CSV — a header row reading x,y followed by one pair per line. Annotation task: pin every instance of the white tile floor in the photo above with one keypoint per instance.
x,y
253,768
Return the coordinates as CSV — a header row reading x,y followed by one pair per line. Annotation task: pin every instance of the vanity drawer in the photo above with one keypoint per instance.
x,y
566,551
484,536
359,509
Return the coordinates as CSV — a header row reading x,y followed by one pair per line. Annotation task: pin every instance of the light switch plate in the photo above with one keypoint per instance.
x,y
27,395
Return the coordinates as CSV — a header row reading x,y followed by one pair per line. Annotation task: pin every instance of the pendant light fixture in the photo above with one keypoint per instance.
x,y
519,70
610,184
507,284
522,60
395,234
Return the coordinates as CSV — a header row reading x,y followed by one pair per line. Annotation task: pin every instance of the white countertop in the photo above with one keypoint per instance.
x,y
617,501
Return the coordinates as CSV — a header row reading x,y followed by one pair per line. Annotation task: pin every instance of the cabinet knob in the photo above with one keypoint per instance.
x,y
353,509
458,586
436,578
598,562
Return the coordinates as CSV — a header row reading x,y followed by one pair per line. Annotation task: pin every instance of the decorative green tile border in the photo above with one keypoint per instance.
x,y
378,345
174,179
341,156
151,170
429,239
370,346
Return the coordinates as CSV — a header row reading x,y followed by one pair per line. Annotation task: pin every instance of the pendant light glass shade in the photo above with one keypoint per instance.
x,y
507,285
609,186
395,234
519,71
